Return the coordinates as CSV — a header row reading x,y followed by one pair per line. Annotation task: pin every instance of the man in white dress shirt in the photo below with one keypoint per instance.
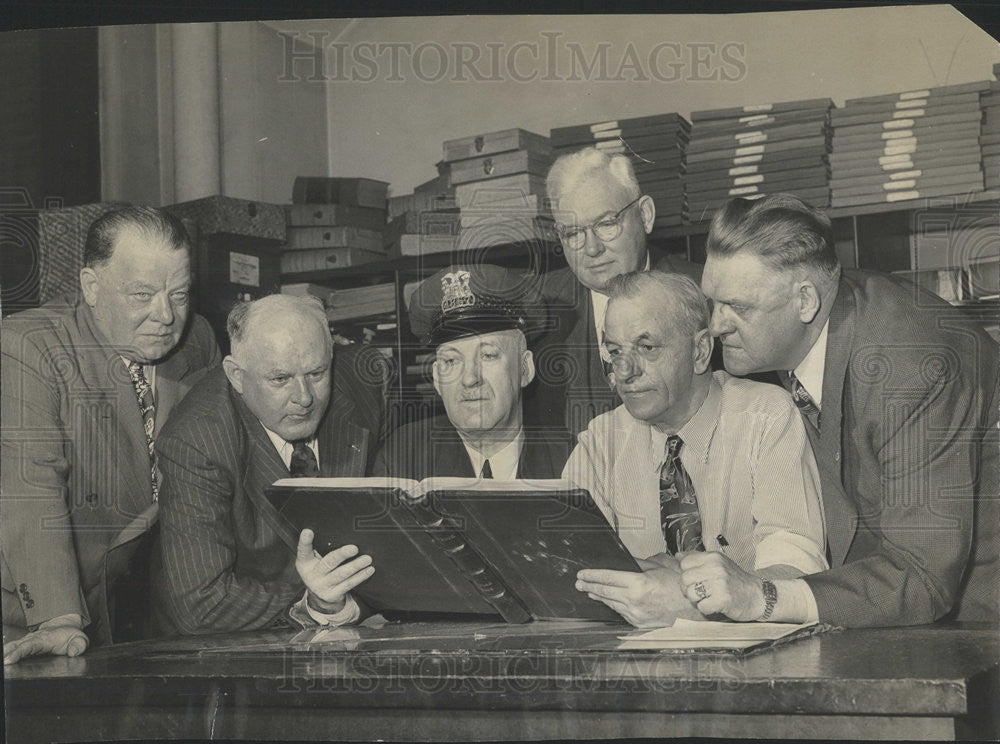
x,y
708,479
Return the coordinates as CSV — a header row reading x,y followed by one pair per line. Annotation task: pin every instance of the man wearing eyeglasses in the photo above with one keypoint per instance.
x,y
708,479
602,219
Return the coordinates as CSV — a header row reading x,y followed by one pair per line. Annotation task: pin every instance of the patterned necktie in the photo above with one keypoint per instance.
x,y
144,394
303,463
487,470
802,399
679,515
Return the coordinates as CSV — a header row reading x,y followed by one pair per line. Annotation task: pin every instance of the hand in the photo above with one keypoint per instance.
x,y
660,560
60,640
648,599
728,588
328,578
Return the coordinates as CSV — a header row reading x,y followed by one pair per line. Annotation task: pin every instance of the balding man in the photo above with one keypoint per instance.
x,y
602,218
88,382
283,404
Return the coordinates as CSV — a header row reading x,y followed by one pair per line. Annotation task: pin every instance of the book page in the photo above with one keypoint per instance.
x,y
489,484
403,484
706,634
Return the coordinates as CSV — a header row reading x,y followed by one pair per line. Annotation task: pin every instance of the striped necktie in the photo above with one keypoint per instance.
x,y
679,515
801,397
147,407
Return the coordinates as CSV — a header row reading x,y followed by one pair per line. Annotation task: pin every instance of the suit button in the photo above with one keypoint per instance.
x,y
29,603
91,499
23,588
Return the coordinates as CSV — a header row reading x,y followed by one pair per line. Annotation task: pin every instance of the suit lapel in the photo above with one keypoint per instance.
x,y
841,512
263,467
450,458
102,369
343,445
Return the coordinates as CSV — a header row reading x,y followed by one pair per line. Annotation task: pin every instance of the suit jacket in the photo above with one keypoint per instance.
x,y
432,447
571,387
908,455
75,473
225,562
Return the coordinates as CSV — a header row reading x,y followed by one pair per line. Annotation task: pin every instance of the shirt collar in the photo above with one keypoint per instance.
x,y
696,434
503,464
809,372
284,447
149,370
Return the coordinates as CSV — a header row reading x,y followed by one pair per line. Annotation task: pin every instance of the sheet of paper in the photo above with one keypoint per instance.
x,y
694,634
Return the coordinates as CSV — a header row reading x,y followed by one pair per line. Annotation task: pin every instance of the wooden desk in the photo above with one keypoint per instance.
x,y
482,681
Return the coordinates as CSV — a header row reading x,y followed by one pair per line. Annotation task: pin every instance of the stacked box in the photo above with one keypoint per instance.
x,y
655,144
989,138
750,151
62,233
904,146
333,223
499,181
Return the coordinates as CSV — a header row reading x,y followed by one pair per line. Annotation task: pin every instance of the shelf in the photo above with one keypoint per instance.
x,y
541,256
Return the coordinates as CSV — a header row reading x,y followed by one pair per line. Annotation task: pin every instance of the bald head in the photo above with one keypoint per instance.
x,y
280,362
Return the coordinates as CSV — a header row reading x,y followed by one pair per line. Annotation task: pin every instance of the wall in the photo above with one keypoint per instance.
x,y
388,116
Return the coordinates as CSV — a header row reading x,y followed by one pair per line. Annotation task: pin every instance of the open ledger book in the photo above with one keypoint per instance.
x,y
462,545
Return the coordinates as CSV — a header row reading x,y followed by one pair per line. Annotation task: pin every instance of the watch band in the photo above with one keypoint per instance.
x,y
770,599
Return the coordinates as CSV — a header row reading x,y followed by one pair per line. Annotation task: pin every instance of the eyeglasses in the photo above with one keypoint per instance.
x,y
605,229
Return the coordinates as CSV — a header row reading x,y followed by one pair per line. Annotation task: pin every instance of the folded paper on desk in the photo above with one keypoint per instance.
x,y
462,545
693,634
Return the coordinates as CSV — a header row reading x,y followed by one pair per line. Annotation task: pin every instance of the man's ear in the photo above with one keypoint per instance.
x,y
701,352
527,367
434,378
647,211
233,373
809,300
89,285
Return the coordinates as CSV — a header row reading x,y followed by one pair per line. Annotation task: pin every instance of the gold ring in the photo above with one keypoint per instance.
x,y
699,589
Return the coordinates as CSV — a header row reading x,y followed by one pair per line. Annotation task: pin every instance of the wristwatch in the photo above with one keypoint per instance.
x,y
770,599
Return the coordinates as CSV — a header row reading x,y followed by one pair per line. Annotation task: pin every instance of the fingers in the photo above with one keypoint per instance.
x,y
607,576
304,551
335,557
344,572
14,651
602,591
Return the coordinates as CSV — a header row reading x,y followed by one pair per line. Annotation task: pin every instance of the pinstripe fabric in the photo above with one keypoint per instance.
x,y
227,558
908,457
749,460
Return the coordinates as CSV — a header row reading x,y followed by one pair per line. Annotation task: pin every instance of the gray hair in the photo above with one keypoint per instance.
x,y
242,315
152,222
575,166
686,298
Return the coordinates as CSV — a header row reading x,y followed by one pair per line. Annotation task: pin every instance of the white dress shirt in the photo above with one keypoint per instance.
x,y
503,464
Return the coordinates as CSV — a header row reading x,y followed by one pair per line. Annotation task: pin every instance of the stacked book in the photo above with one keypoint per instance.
x,y
903,146
499,181
655,144
426,221
333,223
989,139
749,151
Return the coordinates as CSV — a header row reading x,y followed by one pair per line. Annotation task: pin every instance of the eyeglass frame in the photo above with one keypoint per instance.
x,y
617,220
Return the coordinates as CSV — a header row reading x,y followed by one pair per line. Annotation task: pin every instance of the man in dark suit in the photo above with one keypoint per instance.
x,y
283,404
478,320
899,392
602,219
88,382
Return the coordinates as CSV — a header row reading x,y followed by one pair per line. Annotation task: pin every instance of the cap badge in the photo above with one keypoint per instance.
x,y
456,290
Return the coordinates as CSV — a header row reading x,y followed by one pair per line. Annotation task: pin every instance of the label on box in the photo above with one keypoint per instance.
x,y
244,269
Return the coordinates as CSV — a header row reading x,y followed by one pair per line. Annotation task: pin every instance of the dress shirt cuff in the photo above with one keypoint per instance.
x,y
71,619
798,595
350,614
790,549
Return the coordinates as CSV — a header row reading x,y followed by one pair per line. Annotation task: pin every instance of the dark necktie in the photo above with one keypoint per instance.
x,y
144,394
303,463
487,470
679,516
802,399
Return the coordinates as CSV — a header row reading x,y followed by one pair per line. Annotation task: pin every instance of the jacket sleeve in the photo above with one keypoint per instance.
x,y
36,532
202,591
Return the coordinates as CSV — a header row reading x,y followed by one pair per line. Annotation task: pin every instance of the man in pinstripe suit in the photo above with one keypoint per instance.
x,y
282,404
